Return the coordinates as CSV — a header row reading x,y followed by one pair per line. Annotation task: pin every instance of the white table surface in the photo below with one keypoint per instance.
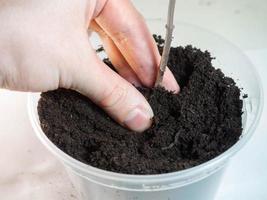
x,y
29,171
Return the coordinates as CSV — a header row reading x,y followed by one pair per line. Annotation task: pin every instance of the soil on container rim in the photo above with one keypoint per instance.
x,y
189,128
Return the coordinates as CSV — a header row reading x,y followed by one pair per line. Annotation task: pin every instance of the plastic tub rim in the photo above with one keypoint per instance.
x,y
183,176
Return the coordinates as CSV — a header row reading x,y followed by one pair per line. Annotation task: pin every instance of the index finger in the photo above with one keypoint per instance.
x,y
127,28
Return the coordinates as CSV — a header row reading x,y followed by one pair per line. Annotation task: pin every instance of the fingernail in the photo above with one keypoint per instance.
x,y
139,119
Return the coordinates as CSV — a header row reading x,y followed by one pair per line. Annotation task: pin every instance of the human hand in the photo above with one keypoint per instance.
x,y
44,45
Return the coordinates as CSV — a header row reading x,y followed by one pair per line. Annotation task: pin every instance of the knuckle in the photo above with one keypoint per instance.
x,y
125,33
114,98
121,37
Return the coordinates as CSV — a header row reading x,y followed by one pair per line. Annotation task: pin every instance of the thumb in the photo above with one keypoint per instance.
x,y
123,102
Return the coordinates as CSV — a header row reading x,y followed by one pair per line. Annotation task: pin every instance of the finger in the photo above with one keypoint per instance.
x,y
115,56
129,32
107,89
132,37
169,82
123,68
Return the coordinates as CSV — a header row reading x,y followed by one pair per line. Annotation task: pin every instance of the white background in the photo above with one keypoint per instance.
x,y
29,171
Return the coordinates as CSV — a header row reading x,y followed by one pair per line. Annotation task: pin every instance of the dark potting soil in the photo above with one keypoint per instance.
x,y
189,128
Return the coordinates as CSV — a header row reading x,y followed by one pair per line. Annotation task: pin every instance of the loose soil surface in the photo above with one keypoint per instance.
x,y
189,128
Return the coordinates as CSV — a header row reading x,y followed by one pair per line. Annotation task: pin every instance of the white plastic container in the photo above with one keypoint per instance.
x,y
197,183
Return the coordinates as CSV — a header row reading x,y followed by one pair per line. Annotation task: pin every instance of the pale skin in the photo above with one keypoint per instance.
x,y
44,46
